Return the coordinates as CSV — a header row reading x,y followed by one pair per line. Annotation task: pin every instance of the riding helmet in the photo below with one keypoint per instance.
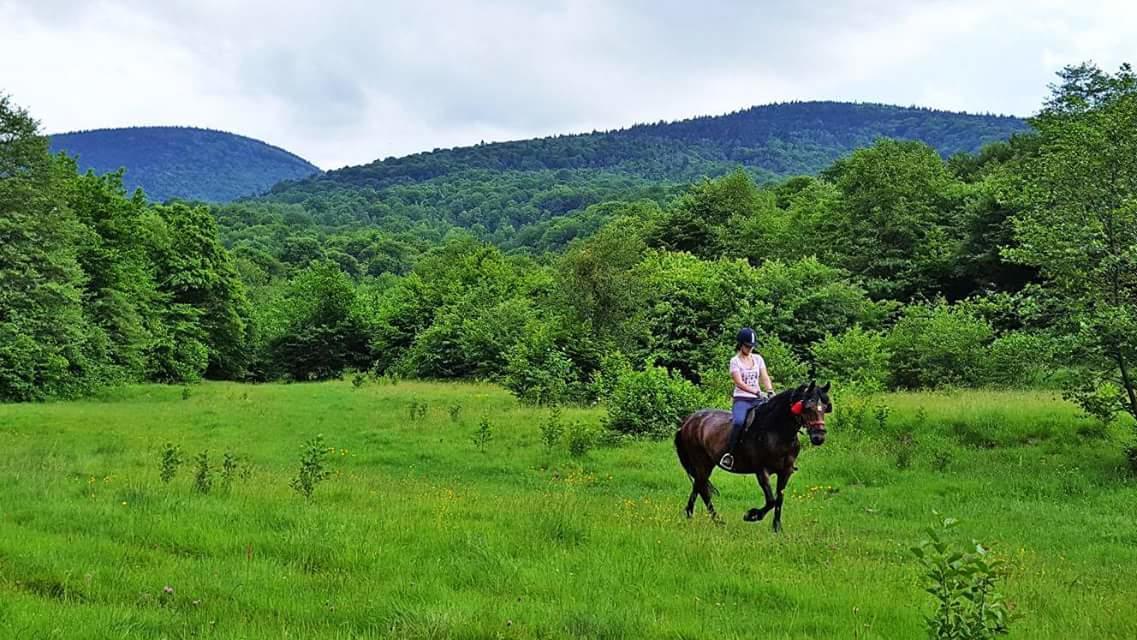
x,y
747,337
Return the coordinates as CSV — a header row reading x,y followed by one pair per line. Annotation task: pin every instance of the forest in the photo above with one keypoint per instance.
x,y
185,163
1013,265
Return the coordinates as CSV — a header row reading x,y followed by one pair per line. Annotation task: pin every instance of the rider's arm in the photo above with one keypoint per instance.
x,y
764,379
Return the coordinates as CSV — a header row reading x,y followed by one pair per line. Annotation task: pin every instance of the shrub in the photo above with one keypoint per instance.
x,y
964,584
855,357
580,439
483,435
552,428
1021,359
171,459
312,469
651,402
229,467
203,474
936,344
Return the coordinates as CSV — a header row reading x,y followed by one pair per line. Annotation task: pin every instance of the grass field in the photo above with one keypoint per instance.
x,y
419,534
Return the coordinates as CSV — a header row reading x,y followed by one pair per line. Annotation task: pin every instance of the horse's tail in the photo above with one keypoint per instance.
x,y
688,464
681,451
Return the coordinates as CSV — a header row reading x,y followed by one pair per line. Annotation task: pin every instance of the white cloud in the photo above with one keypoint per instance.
x,y
350,81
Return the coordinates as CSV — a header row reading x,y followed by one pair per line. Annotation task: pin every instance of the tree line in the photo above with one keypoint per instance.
x,y
891,268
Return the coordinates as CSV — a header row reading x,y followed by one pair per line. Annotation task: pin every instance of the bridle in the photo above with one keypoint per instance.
x,y
809,426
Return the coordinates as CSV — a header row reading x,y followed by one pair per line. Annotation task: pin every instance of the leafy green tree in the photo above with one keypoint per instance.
x,y
896,224
321,335
697,222
47,347
120,295
202,295
1079,222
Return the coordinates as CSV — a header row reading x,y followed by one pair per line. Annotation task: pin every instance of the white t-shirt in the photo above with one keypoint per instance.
x,y
749,375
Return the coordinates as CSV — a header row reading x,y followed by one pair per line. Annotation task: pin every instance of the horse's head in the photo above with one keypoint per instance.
x,y
810,404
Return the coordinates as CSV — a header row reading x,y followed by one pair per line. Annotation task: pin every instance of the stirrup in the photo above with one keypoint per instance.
x,y
727,461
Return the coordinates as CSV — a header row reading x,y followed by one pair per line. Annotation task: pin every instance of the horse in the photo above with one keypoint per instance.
x,y
768,445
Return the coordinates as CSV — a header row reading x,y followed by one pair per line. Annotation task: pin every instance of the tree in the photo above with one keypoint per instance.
x,y
321,335
202,295
47,347
895,225
1079,222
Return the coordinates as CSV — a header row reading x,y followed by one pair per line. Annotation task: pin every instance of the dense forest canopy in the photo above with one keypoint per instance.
x,y
892,267
183,162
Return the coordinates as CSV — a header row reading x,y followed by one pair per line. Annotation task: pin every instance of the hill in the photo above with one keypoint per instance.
x,y
184,162
516,193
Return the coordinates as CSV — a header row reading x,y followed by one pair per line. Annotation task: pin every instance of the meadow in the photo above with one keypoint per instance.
x,y
420,533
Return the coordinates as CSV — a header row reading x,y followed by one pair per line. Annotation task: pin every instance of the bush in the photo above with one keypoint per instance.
x,y
937,344
786,369
313,470
854,357
964,585
1021,359
652,402
552,428
539,371
580,439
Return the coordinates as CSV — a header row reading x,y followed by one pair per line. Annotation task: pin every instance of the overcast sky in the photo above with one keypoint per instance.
x,y
345,82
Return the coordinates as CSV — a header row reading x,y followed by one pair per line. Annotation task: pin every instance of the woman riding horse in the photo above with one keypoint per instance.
x,y
747,369
762,440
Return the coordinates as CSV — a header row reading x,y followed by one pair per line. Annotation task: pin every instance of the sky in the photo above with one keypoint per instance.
x,y
344,82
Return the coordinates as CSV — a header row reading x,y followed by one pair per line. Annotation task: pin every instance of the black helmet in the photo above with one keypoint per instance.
x,y
747,337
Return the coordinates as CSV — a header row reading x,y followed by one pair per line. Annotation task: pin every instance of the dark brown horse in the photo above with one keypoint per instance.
x,y
768,446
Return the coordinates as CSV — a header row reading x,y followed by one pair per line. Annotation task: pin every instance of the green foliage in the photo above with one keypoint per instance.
x,y
964,584
1023,359
580,438
171,460
320,334
938,344
894,225
856,356
47,345
1078,222
651,402
455,411
313,467
202,474
552,428
483,435
229,469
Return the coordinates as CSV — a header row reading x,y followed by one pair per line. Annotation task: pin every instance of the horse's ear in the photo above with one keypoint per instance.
x,y
812,386
825,389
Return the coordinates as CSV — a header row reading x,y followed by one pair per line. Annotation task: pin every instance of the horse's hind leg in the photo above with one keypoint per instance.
x,y
703,484
783,480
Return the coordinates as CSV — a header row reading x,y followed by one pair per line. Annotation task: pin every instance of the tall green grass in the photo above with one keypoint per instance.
x,y
419,534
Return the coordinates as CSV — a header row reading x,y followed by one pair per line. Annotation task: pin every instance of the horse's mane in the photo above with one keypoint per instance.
x,y
767,414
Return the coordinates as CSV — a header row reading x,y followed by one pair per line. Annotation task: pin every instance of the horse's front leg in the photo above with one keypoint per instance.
x,y
754,515
783,480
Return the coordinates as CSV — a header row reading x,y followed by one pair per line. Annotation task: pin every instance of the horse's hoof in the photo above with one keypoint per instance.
x,y
754,515
687,513
777,527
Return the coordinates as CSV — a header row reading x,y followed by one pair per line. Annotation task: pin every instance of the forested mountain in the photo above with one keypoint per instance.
x,y
517,194
184,162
